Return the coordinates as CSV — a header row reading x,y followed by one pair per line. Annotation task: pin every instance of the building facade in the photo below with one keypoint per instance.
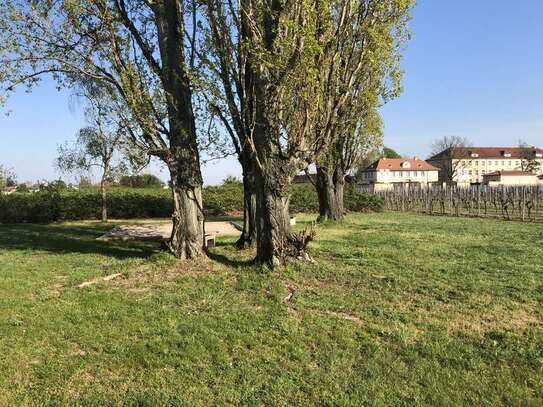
x,y
510,178
388,173
469,165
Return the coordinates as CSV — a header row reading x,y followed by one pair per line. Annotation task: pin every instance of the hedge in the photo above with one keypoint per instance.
x,y
49,206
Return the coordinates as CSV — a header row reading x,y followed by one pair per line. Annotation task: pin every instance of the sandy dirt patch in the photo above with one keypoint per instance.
x,y
163,231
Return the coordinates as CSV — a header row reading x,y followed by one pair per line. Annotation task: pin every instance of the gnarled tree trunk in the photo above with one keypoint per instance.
x,y
187,238
330,186
273,221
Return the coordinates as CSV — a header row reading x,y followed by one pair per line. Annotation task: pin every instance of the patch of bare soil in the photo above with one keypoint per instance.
x,y
159,232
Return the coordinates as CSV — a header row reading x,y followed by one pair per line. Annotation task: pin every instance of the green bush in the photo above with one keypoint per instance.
x,y
23,207
223,199
303,198
57,204
141,181
356,201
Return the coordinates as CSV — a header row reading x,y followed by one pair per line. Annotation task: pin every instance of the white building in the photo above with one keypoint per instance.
x,y
387,173
468,165
511,178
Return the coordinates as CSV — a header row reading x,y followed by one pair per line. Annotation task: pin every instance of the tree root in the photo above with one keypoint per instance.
x,y
296,244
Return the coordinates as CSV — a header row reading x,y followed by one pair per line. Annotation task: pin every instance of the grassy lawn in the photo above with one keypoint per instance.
x,y
398,309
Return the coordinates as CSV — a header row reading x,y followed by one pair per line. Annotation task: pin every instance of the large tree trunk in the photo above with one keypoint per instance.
x,y
187,239
330,186
248,234
276,242
273,221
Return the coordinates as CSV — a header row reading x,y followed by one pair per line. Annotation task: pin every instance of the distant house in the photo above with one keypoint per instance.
x,y
468,165
388,173
512,178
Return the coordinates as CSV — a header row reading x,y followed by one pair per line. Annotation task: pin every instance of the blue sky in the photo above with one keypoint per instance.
x,y
473,68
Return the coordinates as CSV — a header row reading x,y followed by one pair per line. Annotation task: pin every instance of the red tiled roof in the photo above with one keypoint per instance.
x,y
511,173
487,152
396,164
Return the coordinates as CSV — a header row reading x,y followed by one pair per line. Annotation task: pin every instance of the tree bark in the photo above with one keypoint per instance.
x,y
248,235
273,221
103,185
182,157
187,238
330,186
104,199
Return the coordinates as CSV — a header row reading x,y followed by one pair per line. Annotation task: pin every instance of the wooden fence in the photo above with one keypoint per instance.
x,y
521,203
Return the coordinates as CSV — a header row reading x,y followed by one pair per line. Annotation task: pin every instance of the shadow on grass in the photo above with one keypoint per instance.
x,y
70,239
234,257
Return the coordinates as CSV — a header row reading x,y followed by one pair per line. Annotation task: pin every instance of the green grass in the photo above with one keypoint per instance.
x,y
398,309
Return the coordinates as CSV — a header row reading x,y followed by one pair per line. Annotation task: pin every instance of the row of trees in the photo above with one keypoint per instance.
x,y
288,82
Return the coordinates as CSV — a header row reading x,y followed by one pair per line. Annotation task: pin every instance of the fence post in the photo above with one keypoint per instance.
x,y
478,201
523,203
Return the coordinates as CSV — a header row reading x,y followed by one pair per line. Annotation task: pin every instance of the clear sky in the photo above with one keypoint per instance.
x,y
473,68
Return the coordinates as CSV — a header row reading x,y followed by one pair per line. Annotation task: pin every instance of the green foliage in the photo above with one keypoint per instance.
x,y
141,181
304,199
57,203
390,153
230,179
51,204
7,177
356,201
54,187
22,188
223,199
